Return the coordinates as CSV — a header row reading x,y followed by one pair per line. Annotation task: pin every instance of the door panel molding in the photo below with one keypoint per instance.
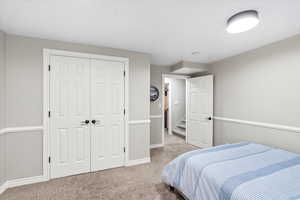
x,y
47,53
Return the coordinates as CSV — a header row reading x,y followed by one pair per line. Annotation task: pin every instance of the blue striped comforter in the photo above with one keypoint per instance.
x,y
243,171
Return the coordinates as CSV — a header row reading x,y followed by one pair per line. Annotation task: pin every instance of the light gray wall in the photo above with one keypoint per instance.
x,y
24,152
2,79
2,107
156,131
156,106
24,61
262,85
2,160
177,88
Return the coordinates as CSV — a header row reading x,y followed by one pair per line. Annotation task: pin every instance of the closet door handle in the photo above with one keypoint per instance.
x,y
95,121
86,122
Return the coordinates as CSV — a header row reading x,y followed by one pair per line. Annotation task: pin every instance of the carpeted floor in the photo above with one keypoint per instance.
x,y
140,182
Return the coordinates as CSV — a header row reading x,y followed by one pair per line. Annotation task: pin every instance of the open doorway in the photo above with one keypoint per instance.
x,y
174,108
187,109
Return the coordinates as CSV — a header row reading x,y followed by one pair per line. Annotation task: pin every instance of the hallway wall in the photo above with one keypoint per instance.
x,y
178,100
156,106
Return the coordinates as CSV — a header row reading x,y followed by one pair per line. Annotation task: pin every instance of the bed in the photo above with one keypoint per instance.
x,y
243,171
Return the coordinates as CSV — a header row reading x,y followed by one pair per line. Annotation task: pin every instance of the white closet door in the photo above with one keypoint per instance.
x,y
107,108
200,111
69,105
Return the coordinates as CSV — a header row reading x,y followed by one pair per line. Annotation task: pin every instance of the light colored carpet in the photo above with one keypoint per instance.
x,y
174,139
126,183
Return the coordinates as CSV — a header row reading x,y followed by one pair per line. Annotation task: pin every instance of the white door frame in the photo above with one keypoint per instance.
x,y
172,76
46,95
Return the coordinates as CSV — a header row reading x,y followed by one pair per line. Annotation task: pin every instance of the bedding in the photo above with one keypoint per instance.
x,y
243,171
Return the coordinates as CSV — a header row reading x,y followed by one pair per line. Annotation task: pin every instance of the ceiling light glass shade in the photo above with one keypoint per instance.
x,y
242,21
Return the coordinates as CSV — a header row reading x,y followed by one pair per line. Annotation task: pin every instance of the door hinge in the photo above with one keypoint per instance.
x,y
124,111
49,67
49,114
49,159
124,73
124,149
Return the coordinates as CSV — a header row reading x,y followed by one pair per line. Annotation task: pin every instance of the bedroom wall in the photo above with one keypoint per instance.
x,y
263,86
156,106
24,61
2,108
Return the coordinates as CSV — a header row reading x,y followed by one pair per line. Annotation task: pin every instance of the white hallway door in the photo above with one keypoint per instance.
x,y
86,124
200,111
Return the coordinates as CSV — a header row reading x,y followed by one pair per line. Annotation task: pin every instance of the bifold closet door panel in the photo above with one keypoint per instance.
x,y
107,109
70,108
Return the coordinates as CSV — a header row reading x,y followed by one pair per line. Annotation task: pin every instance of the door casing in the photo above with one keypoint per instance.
x,y
186,78
46,97
172,76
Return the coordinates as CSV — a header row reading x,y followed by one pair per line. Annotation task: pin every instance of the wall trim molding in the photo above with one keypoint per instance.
x,y
3,187
153,146
22,181
260,124
21,129
147,121
155,116
138,162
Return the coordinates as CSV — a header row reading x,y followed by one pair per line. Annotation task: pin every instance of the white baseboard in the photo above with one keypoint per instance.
x,y
37,179
153,146
25,181
22,181
138,162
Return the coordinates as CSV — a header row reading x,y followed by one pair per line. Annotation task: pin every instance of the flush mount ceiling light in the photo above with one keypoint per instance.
x,y
242,21
195,53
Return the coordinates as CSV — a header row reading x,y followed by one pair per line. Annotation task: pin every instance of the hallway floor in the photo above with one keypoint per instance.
x,y
173,139
141,182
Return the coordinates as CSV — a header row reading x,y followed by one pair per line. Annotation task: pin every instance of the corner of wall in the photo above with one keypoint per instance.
x,y
3,111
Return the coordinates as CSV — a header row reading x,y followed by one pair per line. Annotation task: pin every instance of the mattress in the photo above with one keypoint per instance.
x,y
243,171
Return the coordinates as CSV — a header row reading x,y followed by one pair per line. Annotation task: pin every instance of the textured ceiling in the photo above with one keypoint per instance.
x,y
169,30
